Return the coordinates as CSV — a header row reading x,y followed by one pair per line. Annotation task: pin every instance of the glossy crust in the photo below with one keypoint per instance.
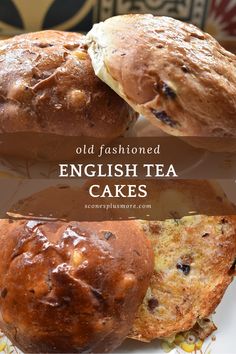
x,y
71,287
194,264
171,72
47,84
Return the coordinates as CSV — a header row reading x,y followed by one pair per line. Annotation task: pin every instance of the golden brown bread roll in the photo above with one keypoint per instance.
x,y
47,84
71,287
171,72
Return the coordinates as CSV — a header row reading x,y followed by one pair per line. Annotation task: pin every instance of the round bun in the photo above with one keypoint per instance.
x,y
194,264
71,287
47,84
171,72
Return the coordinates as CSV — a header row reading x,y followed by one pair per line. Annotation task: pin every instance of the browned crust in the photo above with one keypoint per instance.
x,y
47,84
71,287
171,72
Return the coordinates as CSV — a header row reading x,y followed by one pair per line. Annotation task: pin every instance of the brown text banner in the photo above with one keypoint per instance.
x,y
115,199
26,155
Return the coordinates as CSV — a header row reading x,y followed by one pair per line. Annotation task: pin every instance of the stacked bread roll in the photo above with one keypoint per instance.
x,y
171,72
